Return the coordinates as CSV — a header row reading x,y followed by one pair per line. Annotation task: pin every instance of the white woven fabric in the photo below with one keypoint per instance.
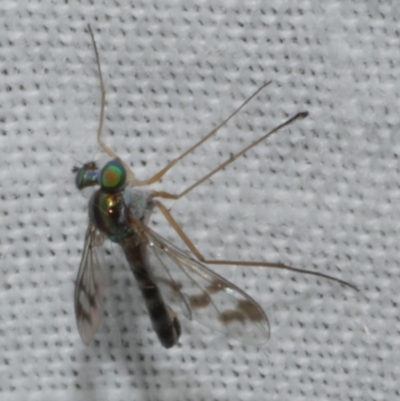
x,y
320,195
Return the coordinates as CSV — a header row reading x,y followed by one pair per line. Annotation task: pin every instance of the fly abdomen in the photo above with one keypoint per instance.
x,y
164,321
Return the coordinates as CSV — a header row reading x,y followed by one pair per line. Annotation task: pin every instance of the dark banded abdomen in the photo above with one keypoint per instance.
x,y
163,319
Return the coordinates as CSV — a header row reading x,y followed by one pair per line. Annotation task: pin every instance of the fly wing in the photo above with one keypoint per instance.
x,y
89,287
204,295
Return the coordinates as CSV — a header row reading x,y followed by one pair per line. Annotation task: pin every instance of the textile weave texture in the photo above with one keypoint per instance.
x,y
320,195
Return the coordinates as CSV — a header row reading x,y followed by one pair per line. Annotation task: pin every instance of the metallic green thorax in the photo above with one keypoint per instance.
x,y
109,214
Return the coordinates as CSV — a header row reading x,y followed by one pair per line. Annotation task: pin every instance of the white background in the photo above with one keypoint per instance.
x,y
320,195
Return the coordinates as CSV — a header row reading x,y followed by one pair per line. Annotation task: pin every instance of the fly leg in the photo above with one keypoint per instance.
x,y
178,229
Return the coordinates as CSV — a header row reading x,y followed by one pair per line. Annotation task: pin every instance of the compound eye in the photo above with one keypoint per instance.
x,y
87,175
80,181
113,176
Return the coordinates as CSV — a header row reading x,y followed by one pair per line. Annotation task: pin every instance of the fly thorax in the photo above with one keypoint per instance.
x,y
109,213
112,207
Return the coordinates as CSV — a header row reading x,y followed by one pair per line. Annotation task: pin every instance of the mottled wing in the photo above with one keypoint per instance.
x,y
89,287
204,295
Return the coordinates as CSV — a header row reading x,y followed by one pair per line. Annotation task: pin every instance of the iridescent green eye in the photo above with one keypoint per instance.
x,y
113,176
80,178
87,175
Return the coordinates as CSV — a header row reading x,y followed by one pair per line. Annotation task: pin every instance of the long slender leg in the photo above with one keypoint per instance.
x,y
109,151
167,195
199,256
156,177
